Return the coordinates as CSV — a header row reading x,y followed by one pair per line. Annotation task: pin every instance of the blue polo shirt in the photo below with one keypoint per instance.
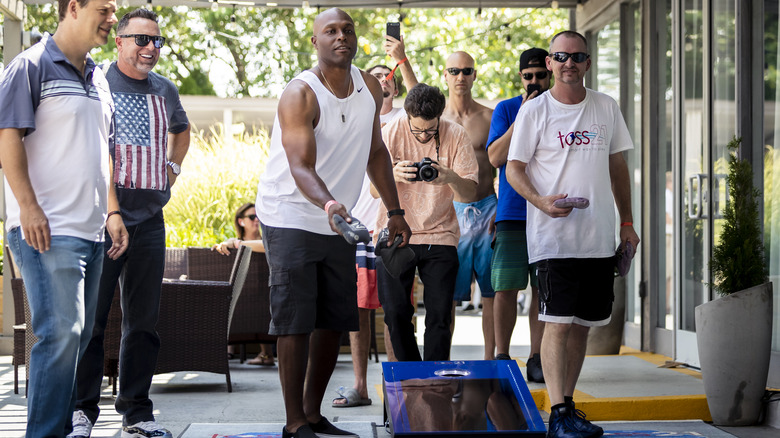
x,y
511,206
67,119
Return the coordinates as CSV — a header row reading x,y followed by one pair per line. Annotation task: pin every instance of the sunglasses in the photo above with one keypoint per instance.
x,y
251,217
432,131
142,40
456,71
539,75
564,56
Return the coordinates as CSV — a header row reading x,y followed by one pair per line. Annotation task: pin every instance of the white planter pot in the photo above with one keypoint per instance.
x,y
734,335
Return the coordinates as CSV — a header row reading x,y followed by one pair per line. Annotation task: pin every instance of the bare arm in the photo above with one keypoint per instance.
x,y
35,224
380,169
298,113
499,149
178,145
115,226
463,187
395,49
621,190
518,179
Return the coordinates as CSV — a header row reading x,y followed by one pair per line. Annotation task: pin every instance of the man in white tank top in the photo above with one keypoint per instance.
x,y
326,136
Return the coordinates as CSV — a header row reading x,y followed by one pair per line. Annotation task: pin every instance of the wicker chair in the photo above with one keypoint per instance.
x,y
252,315
194,320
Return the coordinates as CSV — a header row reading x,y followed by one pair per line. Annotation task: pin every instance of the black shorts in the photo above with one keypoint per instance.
x,y
313,281
578,291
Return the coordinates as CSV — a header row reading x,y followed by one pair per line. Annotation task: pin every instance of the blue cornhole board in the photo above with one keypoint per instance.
x,y
459,398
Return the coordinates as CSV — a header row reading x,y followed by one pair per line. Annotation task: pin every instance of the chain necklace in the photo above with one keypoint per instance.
x,y
341,104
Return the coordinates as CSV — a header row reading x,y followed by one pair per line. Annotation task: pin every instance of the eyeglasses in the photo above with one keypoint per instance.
x,y
564,56
142,40
251,217
539,75
456,71
432,131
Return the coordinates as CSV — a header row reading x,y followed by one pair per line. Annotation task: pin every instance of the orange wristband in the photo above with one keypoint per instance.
x,y
627,224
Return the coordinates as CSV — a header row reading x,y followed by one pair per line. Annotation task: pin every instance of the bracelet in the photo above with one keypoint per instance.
x,y
626,224
394,212
111,213
329,203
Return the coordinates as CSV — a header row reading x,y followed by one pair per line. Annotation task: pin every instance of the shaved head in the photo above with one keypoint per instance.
x,y
461,58
328,16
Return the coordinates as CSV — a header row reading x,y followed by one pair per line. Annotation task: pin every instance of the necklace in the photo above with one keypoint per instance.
x,y
341,104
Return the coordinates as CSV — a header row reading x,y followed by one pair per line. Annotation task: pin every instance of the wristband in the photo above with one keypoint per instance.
x,y
394,212
111,213
329,203
626,224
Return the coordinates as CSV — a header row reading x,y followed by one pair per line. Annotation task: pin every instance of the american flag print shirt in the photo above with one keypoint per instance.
x,y
141,141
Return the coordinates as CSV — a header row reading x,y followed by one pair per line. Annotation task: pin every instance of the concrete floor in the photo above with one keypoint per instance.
x,y
182,399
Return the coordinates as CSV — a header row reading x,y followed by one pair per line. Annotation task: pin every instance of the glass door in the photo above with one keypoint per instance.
x,y
708,123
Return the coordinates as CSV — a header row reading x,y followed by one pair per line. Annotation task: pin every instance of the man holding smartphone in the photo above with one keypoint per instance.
x,y
510,269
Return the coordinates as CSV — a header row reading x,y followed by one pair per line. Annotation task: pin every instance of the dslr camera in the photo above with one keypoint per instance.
x,y
425,172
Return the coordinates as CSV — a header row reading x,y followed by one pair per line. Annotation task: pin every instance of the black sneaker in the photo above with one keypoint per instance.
x,y
561,424
533,369
503,356
302,432
585,427
324,429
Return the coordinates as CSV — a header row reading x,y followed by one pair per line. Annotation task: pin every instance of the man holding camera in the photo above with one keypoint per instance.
x,y
434,162
510,269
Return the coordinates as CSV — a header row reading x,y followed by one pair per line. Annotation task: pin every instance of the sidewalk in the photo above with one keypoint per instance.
x,y
621,393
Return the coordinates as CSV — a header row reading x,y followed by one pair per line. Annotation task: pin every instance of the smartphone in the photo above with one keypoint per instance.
x,y
394,29
534,87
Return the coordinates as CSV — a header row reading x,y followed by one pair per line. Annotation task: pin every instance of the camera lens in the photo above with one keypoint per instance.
x,y
428,173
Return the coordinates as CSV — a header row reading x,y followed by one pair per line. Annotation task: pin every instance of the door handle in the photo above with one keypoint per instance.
x,y
696,208
716,205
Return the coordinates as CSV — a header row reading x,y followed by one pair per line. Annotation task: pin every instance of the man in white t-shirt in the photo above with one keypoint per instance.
x,y
568,143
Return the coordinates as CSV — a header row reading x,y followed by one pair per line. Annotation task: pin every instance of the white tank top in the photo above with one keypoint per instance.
x,y
342,155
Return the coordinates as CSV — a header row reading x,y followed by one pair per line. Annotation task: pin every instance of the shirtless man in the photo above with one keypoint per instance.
x,y
475,215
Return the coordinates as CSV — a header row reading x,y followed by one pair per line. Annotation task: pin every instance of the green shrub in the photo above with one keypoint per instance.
x,y
216,179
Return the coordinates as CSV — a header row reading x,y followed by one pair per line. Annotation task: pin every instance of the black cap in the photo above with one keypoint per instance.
x,y
533,58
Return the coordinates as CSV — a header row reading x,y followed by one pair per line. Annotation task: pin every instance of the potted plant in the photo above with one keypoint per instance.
x,y
734,332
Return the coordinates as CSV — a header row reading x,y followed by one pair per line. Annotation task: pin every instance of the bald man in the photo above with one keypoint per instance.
x,y
326,137
476,213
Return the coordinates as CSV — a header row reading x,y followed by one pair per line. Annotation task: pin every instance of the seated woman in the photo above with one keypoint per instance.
x,y
248,233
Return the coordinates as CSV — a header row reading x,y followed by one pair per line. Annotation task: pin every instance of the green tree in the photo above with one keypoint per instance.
x,y
255,51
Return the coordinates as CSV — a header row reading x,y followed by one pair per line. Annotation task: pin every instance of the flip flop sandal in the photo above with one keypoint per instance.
x,y
262,359
351,396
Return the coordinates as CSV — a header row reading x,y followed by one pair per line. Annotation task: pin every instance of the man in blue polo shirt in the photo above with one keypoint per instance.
x,y
54,149
510,269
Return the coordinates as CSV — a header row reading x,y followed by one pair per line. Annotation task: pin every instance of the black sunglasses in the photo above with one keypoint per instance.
x,y
142,40
251,217
539,75
564,56
456,71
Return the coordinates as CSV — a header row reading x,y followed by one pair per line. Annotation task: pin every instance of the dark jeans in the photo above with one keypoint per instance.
x,y
139,271
438,267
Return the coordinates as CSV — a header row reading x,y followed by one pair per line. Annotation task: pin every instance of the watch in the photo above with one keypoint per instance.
x,y
394,212
174,167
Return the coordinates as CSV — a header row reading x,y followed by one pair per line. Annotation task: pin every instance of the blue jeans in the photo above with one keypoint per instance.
x,y
62,286
139,272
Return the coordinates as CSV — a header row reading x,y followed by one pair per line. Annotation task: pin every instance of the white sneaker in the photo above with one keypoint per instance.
x,y
145,429
82,427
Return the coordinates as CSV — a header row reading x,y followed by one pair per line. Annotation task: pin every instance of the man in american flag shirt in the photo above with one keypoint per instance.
x,y
152,138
